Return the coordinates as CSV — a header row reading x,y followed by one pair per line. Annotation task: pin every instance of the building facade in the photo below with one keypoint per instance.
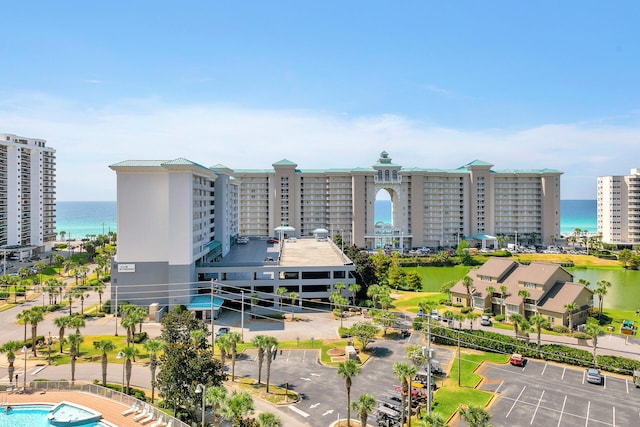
x,y
27,194
430,207
619,208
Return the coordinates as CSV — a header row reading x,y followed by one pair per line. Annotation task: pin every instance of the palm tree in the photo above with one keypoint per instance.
x,y
503,292
475,416
516,319
10,348
405,373
472,316
354,288
74,352
34,316
601,291
225,348
347,370
77,322
365,404
234,338
269,419
62,323
593,330
238,404
467,282
104,346
129,323
130,354
280,291
293,296
490,290
153,346
216,397
539,322
271,344
433,420
571,308
22,320
259,342
524,294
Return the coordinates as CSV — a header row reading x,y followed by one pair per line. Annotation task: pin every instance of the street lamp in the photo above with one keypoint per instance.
x,y
24,379
242,318
121,356
202,389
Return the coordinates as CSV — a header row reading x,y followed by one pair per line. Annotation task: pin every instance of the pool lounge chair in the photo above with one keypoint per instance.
x,y
158,423
134,409
147,419
144,414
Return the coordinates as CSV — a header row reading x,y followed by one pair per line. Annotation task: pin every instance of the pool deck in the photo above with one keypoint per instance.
x,y
110,409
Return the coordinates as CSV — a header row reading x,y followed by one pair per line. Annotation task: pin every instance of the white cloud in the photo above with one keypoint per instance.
x,y
87,140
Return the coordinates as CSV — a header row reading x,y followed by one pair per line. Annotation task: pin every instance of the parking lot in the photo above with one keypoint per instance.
x,y
545,394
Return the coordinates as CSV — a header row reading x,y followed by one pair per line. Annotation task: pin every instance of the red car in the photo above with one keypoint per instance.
x,y
517,359
273,240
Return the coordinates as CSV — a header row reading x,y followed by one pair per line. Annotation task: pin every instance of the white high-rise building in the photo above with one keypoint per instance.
x,y
27,194
619,208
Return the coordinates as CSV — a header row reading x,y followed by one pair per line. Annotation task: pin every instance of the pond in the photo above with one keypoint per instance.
x,y
624,293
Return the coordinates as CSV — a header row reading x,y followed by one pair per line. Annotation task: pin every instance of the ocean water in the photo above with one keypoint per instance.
x,y
82,218
77,219
582,214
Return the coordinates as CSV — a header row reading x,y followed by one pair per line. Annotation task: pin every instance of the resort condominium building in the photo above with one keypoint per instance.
x,y
27,193
619,208
430,207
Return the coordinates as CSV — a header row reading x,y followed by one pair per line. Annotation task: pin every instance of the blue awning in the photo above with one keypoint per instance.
x,y
203,302
484,237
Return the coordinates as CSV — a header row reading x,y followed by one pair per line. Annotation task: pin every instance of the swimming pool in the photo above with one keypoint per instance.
x,y
32,416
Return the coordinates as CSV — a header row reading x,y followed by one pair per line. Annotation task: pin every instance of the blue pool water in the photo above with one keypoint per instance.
x,y
30,416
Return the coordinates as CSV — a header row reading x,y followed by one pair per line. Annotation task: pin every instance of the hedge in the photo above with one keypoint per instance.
x,y
498,343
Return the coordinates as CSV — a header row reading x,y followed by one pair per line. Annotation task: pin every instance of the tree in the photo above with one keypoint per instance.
x,y
9,349
153,346
601,291
22,320
503,293
539,322
433,420
216,397
293,296
475,416
467,282
416,355
414,281
280,291
234,338
238,405
271,344
516,319
472,316
259,343
74,352
347,370
269,419
62,323
365,405
593,330
404,373
625,257
364,332
570,309
386,319
130,354
224,345
354,288
104,347
76,321
524,294
34,316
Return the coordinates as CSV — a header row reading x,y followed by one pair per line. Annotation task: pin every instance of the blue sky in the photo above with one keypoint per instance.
x,y
325,84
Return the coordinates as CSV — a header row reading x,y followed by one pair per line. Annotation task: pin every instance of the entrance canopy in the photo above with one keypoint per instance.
x,y
284,228
203,302
484,238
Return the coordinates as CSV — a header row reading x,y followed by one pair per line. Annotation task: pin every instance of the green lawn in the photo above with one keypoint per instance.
x,y
434,277
449,397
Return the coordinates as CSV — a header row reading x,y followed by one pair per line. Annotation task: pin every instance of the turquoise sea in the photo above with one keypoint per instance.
x,y
82,218
78,219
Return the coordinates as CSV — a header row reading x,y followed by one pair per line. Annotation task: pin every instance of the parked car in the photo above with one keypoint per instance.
x,y
517,359
485,321
594,376
222,331
273,240
242,240
434,314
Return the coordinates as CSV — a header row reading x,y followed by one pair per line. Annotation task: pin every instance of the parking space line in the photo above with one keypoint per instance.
x,y
304,354
586,419
563,371
604,382
544,369
298,411
614,416
499,385
515,401
583,376
537,406
562,410
627,383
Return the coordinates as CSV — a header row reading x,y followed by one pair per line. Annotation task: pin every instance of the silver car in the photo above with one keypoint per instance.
x,y
593,376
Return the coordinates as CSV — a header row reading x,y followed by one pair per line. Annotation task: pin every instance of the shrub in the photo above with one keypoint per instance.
x,y
444,301
488,313
581,336
140,337
344,332
465,310
457,305
499,318
560,329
